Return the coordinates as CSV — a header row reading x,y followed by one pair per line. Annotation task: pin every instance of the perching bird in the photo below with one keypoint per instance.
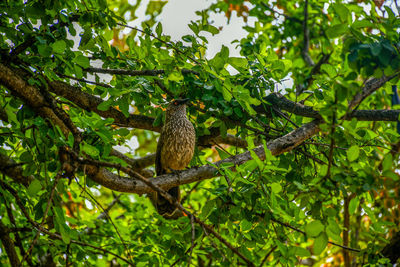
x,y
174,152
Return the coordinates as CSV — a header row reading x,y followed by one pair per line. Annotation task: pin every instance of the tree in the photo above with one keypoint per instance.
x,y
306,175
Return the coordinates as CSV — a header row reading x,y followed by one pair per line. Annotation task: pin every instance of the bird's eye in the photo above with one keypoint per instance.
x,y
175,103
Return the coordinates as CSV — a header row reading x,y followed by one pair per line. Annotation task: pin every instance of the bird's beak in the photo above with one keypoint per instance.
x,y
183,101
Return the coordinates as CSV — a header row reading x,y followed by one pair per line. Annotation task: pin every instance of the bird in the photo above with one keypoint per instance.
x,y
175,150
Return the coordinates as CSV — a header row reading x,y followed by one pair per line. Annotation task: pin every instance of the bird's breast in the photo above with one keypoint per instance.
x,y
178,144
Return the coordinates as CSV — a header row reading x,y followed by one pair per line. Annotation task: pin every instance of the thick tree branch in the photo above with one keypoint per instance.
x,y
280,101
30,95
277,146
89,102
8,245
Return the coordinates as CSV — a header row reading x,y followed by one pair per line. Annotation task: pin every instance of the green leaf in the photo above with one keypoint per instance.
x,y
222,154
90,150
336,30
387,162
26,157
239,63
70,140
320,243
65,235
390,174
82,61
376,49
123,132
329,69
123,104
226,94
302,252
29,169
245,225
342,11
276,187
44,50
34,187
175,76
314,228
207,208
353,205
159,29
353,153
211,29
59,46
103,106
362,24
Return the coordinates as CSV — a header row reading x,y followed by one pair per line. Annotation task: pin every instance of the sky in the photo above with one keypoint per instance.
x,y
177,14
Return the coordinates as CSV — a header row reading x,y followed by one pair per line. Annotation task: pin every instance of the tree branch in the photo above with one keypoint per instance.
x,y
30,95
89,102
8,245
280,101
135,72
277,146
370,86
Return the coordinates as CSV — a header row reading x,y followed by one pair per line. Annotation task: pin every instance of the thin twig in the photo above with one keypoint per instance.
x,y
304,233
213,244
105,213
191,190
268,254
58,177
83,80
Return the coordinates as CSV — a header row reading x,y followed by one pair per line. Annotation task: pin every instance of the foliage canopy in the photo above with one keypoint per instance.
x,y
306,175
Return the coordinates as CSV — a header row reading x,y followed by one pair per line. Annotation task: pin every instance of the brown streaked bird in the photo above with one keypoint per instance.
x,y
174,152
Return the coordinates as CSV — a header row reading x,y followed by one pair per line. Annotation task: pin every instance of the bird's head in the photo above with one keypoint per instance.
x,y
177,107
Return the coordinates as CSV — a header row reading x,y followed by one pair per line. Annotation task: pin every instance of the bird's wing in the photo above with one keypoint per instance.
x,y
159,168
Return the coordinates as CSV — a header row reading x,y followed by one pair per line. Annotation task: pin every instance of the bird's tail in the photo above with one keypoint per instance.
x,y
166,209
